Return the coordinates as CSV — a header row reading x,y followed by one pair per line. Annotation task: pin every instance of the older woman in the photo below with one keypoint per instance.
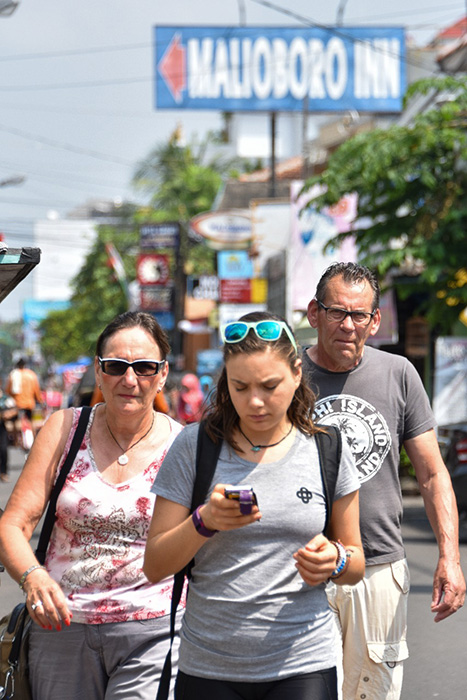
x,y
101,628
257,622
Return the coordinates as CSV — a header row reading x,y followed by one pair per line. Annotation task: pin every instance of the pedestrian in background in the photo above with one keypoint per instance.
x,y
190,399
378,401
24,387
8,413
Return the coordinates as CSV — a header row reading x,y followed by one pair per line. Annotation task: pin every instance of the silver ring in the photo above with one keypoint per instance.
x,y
36,605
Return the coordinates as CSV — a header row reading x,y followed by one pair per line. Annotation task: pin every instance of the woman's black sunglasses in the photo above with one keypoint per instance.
x,y
142,368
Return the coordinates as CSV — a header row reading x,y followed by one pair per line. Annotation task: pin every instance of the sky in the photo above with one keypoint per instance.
x,y
77,90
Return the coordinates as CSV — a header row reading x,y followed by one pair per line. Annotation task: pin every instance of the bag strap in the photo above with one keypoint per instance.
x,y
207,454
329,450
47,527
49,520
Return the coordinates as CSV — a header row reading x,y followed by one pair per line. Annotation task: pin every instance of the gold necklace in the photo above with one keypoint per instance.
x,y
123,459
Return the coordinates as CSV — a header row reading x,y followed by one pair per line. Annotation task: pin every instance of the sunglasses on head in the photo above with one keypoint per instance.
x,y
265,330
142,368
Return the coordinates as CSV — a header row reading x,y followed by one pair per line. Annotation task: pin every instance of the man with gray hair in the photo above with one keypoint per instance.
x,y
378,401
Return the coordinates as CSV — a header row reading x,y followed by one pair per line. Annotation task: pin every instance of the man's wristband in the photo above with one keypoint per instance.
x,y
200,526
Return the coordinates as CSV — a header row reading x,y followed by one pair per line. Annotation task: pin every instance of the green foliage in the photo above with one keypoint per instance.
x,y
11,339
178,179
180,186
411,183
97,298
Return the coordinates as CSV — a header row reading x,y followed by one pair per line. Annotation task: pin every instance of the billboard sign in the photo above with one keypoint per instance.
x,y
155,298
152,268
223,230
234,264
247,291
277,68
164,235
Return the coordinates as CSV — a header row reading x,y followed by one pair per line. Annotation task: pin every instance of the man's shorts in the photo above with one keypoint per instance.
x,y
372,618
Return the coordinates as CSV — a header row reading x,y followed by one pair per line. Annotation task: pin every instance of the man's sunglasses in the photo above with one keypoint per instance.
x,y
265,330
142,368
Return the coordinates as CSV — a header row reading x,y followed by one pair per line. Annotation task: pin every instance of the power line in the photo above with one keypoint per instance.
x,y
75,52
335,31
65,146
67,86
422,11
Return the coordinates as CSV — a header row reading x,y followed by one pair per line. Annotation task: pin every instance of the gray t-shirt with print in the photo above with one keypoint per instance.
x,y
250,616
377,406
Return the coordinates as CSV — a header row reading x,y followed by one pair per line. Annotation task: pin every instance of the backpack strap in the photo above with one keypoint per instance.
x,y
207,454
329,450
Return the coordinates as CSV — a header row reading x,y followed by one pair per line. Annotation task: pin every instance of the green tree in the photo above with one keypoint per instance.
x,y
411,183
98,296
181,182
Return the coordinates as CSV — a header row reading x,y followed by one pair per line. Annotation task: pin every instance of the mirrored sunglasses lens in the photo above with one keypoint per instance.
x,y
268,330
235,332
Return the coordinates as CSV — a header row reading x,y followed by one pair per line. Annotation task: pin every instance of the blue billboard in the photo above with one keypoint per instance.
x,y
280,69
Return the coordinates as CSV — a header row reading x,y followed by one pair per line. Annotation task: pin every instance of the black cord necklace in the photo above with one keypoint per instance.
x,y
257,448
123,459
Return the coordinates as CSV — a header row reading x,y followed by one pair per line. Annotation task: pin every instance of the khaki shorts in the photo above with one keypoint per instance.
x,y
372,619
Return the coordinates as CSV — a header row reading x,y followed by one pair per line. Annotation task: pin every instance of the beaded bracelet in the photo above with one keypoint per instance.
x,y
27,572
341,559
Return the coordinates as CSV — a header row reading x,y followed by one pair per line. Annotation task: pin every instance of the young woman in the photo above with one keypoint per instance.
x,y
257,623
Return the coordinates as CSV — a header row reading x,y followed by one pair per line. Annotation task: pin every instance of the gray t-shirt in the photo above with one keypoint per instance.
x,y
249,615
377,406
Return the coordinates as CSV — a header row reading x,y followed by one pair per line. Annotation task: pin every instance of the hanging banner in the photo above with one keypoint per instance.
x,y
310,231
277,68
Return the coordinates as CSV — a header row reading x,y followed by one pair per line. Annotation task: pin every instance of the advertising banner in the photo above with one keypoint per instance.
x,y
277,68
165,235
311,230
222,230
204,287
233,264
155,298
450,388
152,268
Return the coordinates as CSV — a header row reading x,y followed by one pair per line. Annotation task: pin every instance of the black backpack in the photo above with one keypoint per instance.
x,y
329,445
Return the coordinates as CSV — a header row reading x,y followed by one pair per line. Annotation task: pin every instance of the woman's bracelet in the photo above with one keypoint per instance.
x,y
343,560
27,572
200,526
